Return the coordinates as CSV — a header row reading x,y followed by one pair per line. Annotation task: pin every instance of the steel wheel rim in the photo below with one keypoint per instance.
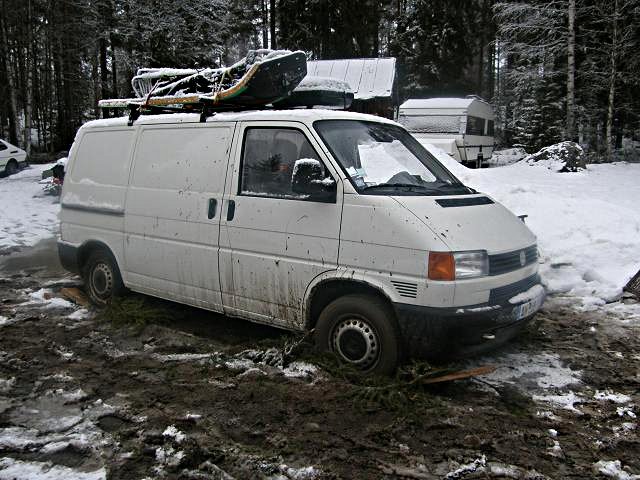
x,y
102,280
356,342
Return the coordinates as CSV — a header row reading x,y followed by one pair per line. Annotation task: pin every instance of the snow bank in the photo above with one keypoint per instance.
x,y
560,157
587,223
28,214
506,156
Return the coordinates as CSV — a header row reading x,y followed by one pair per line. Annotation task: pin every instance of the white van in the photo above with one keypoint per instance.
x,y
462,127
302,219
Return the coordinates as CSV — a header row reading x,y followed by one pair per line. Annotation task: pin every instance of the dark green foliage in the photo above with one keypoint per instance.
x,y
135,312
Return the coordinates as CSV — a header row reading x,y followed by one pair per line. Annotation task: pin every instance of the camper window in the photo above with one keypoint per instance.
x,y
490,128
432,123
475,125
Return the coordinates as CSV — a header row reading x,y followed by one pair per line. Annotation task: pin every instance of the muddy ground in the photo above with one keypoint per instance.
x,y
152,389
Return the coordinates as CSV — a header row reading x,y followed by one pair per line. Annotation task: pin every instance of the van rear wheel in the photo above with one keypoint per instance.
x,y
361,331
102,278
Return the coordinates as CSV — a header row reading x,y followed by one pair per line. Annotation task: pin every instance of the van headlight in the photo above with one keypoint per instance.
x,y
458,265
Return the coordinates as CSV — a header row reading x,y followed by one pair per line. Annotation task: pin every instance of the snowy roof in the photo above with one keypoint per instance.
x,y
368,77
440,102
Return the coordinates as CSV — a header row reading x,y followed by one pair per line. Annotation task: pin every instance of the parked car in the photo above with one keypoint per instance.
x,y
12,158
302,219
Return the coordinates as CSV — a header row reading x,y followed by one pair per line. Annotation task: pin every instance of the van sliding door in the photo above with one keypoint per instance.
x,y
172,214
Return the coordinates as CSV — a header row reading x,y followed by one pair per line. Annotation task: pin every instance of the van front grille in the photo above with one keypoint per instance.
x,y
406,289
510,261
502,294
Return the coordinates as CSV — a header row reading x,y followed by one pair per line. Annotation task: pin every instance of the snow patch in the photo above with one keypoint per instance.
x,y
613,469
611,396
11,469
566,401
7,384
533,372
323,83
172,432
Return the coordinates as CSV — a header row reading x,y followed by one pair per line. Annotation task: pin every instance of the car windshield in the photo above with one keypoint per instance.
x,y
383,159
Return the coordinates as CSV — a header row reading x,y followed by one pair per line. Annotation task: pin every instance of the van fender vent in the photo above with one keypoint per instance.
x,y
463,202
406,289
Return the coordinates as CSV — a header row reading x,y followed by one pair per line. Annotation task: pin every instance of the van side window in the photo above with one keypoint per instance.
x,y
475,125
2,146
268,160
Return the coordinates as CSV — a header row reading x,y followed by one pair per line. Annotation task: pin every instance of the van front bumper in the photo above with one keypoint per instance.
x,y
439,333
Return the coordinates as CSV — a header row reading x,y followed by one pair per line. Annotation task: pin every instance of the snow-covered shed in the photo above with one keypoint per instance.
x,y
373,81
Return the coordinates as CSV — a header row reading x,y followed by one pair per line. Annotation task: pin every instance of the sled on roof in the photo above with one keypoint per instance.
x,y
263,77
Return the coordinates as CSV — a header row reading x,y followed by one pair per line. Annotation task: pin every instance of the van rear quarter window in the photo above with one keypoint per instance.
x,y
189,159
104,158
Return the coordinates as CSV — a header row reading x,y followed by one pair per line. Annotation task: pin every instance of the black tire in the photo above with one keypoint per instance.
x,y
10,168
102,278
360,330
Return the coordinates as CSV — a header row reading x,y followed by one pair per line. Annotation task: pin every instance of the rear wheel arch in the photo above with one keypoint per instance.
x,y
87,248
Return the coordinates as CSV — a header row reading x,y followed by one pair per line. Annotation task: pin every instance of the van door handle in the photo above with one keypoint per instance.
x,y
213,206
231,210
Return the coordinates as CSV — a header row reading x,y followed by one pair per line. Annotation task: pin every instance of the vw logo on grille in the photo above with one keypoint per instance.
x,y
523,258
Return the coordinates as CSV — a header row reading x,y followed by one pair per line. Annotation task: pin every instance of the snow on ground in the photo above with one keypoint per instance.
x,y
27,214
587,223
11,469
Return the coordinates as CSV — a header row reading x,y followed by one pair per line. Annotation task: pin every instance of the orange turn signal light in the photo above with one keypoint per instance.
x,y
442,266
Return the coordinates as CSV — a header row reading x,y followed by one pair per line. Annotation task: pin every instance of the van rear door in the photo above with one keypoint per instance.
x,y
274,242
172,213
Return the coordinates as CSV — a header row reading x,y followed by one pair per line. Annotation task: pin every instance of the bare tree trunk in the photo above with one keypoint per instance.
x,y
571,72
114,68
104,74
272,23
11,90
265,22
612,83
28,88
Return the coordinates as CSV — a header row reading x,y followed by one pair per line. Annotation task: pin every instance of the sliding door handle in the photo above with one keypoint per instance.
x,y
231,210
213,206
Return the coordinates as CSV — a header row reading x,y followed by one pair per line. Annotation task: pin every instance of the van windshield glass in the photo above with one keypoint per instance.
x,y
383,159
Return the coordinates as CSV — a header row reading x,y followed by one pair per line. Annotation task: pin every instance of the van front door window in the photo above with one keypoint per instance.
x,y
268,161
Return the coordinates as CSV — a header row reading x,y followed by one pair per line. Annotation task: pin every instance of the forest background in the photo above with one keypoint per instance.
x,y
553,70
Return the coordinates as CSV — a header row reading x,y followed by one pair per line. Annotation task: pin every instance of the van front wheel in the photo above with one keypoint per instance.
x,y
102,278
361,331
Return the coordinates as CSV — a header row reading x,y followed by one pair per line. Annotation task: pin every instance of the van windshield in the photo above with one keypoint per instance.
x,y
383,159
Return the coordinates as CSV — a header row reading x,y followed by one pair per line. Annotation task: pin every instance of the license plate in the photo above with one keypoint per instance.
x,y
528,308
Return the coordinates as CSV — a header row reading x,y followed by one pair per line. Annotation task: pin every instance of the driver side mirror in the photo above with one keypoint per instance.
x,y
308,179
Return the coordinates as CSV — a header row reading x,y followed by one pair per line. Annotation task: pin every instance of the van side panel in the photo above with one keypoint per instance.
x,y
95,187
177,184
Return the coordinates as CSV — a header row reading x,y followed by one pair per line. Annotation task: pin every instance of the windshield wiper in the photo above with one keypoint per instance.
x,y
394,185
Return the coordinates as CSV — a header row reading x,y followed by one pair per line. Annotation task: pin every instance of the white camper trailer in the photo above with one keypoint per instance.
x,y
462,127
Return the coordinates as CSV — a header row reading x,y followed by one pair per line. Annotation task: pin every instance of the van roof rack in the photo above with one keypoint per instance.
x,y
264,77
